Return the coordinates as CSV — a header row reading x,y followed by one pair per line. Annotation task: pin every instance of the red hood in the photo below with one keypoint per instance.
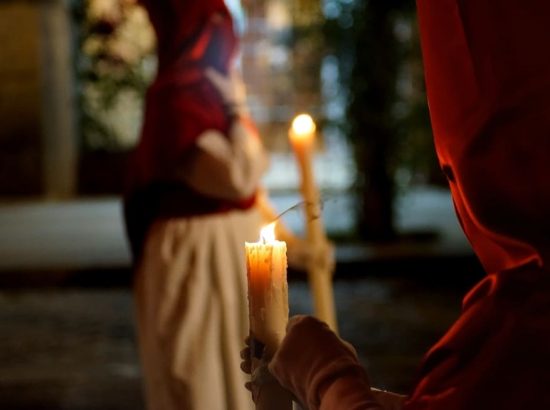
x,y
181,103
488,81
186,31
487,70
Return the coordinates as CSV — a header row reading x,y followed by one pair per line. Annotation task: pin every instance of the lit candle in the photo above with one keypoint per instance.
x,y
302,132
266,266
267,289
302,139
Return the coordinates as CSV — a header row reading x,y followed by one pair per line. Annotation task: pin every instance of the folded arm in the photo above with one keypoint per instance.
x,y
225,167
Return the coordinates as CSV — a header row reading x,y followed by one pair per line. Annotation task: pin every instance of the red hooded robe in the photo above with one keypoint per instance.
x,y
487,68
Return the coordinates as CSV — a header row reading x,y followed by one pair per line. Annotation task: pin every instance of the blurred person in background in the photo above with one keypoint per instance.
x,y
193,199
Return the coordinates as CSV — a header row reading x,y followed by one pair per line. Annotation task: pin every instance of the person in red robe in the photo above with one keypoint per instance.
x,y
487,71
193,200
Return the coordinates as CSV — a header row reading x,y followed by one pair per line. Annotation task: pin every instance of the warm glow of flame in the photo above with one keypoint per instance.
x,y
267,234
303,125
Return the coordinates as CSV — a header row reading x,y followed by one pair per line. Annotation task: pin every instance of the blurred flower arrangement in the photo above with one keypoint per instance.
x,y
115,63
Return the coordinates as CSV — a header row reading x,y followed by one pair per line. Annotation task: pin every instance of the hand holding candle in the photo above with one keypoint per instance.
x,y
302,138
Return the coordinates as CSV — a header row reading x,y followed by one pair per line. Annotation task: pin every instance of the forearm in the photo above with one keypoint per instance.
x,y
389,400
348,392
339,385
229,168
320,369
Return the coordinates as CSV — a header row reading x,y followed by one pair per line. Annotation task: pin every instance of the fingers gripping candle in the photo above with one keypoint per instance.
x,y
266,266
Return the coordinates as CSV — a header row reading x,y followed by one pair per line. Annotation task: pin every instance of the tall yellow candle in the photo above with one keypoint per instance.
x,y
302,139
266,267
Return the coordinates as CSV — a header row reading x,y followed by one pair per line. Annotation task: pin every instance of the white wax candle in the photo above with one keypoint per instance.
x,y
266,266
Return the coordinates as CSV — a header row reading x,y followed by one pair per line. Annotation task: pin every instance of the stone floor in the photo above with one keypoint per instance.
x,y
74,348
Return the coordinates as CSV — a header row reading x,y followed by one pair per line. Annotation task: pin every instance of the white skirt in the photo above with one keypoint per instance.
x,y
191,299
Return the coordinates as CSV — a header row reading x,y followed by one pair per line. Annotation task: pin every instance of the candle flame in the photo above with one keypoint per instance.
x,y
303,124
267,234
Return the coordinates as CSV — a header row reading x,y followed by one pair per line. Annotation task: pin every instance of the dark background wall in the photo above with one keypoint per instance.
x,y
20,100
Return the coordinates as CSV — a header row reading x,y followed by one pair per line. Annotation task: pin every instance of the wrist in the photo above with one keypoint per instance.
x,y
347,390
